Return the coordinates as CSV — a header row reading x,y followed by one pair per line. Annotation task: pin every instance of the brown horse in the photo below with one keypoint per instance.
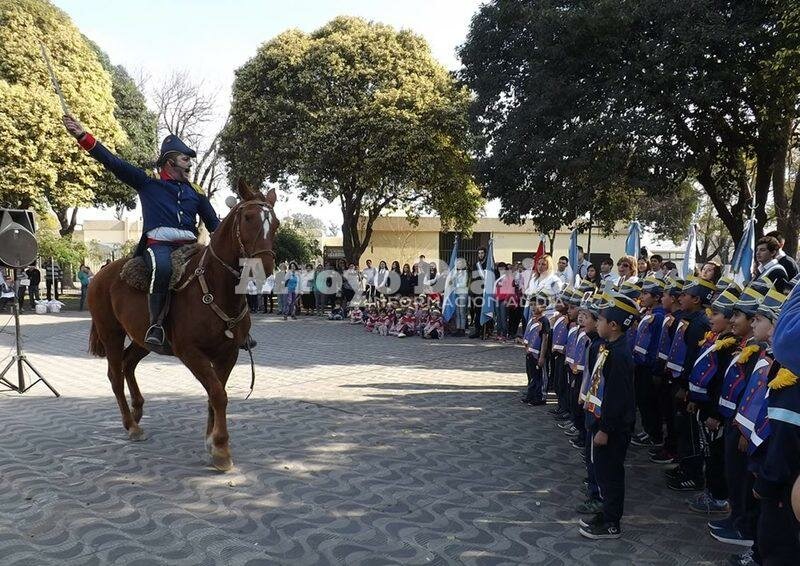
x,y
206,323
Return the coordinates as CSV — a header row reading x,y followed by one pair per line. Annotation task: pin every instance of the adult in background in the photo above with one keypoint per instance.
x,y
431,284
711,271
767,249
35,277
395,276
52,278
627,268
607,275
545,278
369,277
788,263
267,294
643,267
583,263
6,293
655,264
292,284
503,292
563,262
593,275
459,281
318,287
407,281
381,280
476,290
350,283
306,289
83,277
22,288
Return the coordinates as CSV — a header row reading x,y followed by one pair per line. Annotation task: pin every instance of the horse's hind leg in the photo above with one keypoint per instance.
x,y
115,353
130,359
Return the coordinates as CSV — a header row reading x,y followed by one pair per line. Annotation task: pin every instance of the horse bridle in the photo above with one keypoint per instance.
x,y
199,272
265,207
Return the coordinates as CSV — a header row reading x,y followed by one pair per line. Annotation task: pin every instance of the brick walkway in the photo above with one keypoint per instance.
x,y
354,449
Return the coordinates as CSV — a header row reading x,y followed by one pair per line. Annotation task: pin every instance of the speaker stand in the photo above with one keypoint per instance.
x,y
19,359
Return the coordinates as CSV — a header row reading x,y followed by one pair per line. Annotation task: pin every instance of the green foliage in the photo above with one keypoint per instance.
x,y
139,125
62,249
292,245
609,106
358,112
41,163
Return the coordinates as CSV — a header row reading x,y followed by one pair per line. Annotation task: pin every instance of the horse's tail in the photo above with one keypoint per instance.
x,y
96,347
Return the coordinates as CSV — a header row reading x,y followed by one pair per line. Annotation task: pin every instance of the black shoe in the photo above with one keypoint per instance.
x,y
675,473
538,402
599,531
154,336
683,484
578,442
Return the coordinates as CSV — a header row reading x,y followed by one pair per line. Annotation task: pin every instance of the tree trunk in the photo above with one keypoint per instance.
x,y
731,216
765,163
67,220
786,213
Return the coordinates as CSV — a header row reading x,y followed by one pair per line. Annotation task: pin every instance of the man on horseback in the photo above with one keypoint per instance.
x,y
170,206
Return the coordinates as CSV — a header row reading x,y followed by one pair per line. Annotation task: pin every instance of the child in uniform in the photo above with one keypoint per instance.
x,y
536,337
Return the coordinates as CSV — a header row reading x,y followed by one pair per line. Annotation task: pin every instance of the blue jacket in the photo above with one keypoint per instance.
x,y
165,203
786,333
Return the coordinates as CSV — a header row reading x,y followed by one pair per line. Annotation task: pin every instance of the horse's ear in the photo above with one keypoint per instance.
x,y
271,197
244,191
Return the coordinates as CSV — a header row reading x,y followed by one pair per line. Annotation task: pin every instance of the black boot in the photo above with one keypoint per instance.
x,y
155,334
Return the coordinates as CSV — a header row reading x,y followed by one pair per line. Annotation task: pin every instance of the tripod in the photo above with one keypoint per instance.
x,y
19,359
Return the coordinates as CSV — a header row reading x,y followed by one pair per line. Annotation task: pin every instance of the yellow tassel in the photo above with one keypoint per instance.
x,y
725,343
747,352
708,336
784,378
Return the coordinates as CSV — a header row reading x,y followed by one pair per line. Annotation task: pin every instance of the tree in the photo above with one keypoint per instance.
x,y
139,124
293,245
186,109
307,224
356,112
597,106
42,165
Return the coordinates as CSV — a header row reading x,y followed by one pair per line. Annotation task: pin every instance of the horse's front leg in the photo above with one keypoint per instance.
x,y
201,366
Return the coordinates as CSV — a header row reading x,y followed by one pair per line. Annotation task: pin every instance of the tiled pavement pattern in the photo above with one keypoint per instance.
x,y
354,449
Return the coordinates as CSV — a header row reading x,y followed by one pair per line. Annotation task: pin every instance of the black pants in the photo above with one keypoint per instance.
x,y
560,380
268,302
574,382
777,540
666,405
55,286
514,318
689,447
740,484
252,302
715,465
534,378
475,315
647,402
609,470
33,292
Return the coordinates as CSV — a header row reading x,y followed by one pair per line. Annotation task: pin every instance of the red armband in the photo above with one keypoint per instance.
x,y
87,141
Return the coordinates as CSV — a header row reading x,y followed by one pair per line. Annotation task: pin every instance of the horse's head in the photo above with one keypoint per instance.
x,y
251,225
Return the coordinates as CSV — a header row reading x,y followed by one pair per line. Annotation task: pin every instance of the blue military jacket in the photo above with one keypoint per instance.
x,y
165,203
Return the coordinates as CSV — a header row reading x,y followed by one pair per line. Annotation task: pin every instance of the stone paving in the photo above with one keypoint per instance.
x,y
354,449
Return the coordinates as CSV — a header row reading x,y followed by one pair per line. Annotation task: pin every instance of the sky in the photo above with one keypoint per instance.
x,y
211,39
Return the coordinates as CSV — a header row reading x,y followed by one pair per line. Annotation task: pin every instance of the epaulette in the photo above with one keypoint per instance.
x,y
748,351
784,378
197,188
725,343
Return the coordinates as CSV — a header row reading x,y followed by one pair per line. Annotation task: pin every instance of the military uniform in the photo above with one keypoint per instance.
x,y
169,210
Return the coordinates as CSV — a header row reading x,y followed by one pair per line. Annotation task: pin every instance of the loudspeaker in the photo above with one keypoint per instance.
x,y
18,247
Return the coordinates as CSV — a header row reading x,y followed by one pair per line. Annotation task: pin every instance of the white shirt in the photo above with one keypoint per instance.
x,y
369,275
605,277
167,234
269,284
552,281
770,266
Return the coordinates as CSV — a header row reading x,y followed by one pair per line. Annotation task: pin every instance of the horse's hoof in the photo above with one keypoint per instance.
x,y
222,462
136,433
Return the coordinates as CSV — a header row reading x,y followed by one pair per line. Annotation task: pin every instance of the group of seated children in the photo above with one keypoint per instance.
x,y
389,318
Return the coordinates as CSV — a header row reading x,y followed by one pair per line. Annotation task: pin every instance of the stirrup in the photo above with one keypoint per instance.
x,y
155,335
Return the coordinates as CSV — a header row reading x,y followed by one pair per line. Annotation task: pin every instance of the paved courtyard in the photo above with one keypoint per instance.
x,y
354,449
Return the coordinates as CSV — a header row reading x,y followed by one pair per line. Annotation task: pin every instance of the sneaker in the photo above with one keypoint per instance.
x,y
572,431
579,442
675,473
639,436
706,504
401,335
663,457
743,559
599,531
596,519
590,507
721,524
538,403
655,449
565,425
646,442
731,536
684,485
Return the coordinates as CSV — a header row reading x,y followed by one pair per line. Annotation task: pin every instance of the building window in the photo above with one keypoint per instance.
x,y
468,248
